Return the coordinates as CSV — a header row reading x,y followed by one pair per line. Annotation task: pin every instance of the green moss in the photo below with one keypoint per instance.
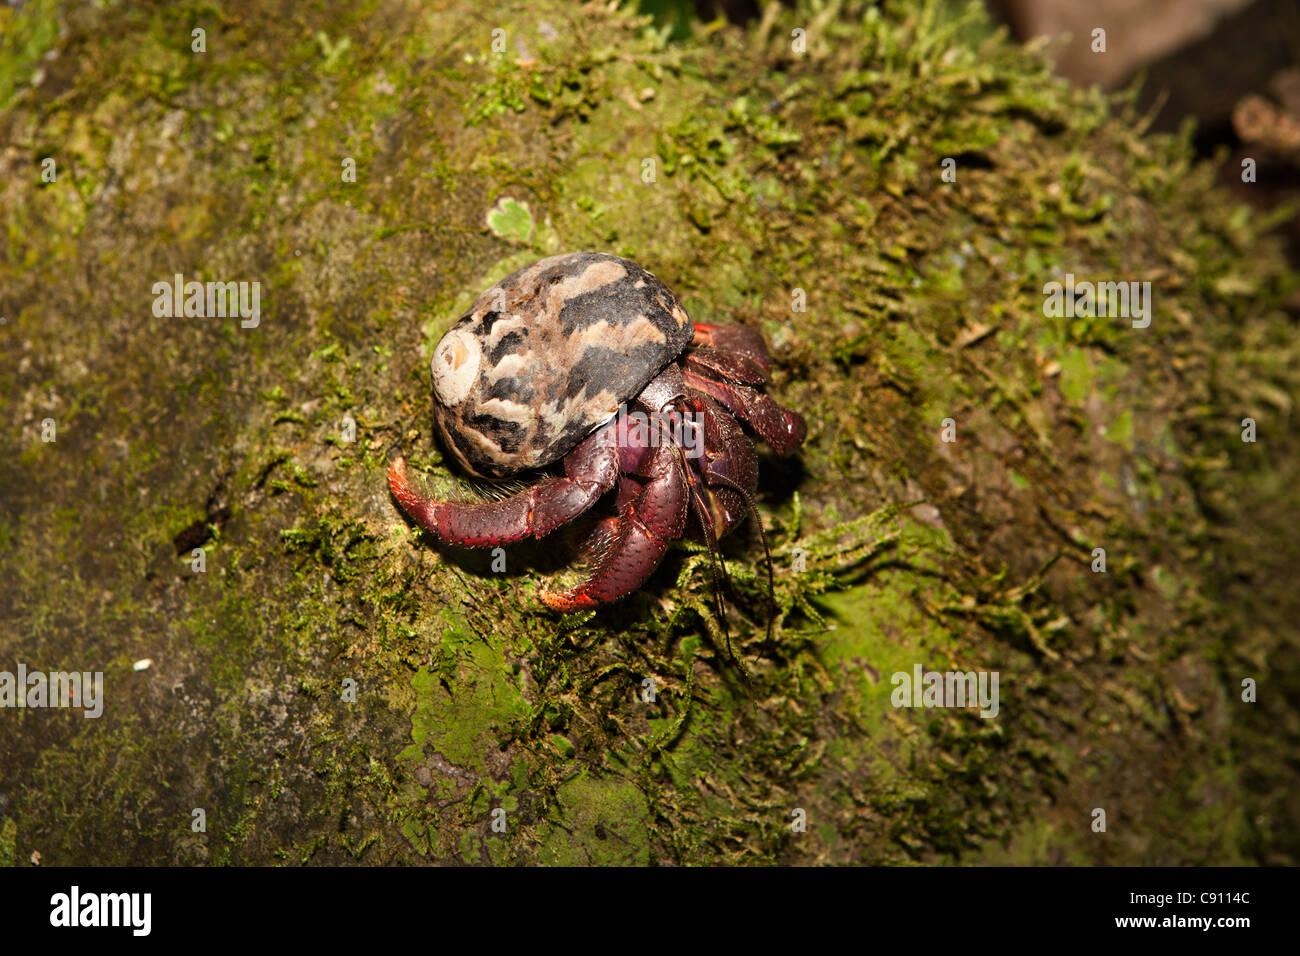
x,y
603,823
8,842
1120,431
739,172
26,34
463,725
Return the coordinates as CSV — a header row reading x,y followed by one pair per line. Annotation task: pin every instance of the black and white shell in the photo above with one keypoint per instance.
x,y
547,355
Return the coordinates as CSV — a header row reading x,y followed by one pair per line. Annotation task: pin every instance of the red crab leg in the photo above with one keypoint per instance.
x,y
729,365
735,338
591,469
646,527
781,428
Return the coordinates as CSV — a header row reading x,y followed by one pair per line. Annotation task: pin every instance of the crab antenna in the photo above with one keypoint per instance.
x,y
706,523
767,554
717,567
710,541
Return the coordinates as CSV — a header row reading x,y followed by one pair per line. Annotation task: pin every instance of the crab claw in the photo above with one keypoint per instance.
x,y
532,513
646,527
422,509
574,600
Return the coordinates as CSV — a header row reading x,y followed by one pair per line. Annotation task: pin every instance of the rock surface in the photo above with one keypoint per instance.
x,y
332,688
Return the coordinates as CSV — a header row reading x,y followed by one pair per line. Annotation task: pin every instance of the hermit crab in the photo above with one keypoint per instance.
x,y
588,359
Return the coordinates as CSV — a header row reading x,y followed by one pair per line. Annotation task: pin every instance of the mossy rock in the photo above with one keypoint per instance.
x,y
793,182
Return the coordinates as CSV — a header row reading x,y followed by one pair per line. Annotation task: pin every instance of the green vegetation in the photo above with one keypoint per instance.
x,y
739,171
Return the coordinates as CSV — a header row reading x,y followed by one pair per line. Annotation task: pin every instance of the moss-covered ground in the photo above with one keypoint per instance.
x,y
752,177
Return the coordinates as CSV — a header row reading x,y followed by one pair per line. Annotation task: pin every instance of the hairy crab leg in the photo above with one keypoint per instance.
x,y
735,338
731,366
781,428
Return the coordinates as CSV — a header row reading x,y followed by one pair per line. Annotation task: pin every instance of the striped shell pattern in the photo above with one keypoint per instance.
x,y
547,355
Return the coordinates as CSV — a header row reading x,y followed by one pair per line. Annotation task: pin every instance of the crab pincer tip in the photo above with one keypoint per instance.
x,y
397,474
566,600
